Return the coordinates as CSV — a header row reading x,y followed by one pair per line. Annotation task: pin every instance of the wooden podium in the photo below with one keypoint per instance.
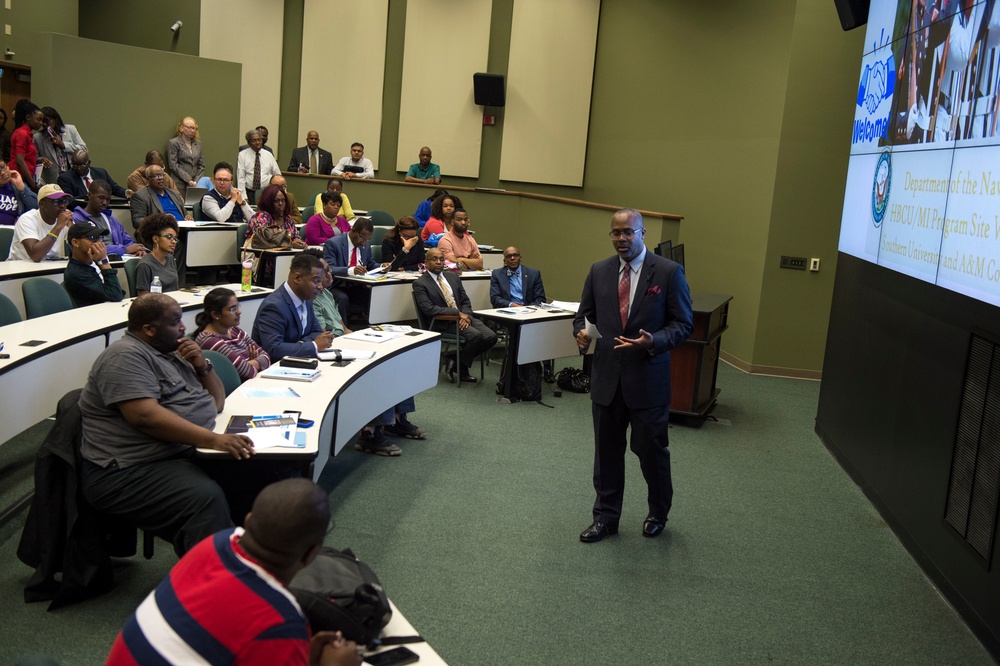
x,y
694,364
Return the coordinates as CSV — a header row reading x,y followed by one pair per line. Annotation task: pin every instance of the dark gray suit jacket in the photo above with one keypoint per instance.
x,y
661,306
145,202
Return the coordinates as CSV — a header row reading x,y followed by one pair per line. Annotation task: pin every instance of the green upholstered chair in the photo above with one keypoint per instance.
x,y
381,218
6,236
225,369
131,268
8,311
43,296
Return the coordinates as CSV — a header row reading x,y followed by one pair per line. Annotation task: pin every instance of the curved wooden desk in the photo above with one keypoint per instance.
x,y
343,399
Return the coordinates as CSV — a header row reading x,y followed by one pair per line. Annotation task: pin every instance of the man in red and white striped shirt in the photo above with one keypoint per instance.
x,y
226,601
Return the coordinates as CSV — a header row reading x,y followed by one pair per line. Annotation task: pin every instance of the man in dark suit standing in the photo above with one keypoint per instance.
x,y
439,292
285,324
77,179
641,307
310,158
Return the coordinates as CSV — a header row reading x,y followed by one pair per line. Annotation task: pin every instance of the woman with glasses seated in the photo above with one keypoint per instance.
x,y
219,330
159,232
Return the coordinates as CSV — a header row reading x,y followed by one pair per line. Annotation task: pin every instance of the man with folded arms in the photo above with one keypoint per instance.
x,y
458,245
439,292
89,278
96,213
641,306
41,233
355,165
151,398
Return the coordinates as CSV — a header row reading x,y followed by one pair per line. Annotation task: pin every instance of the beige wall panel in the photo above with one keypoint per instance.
x,y
248,32
447,41
350,110
549,79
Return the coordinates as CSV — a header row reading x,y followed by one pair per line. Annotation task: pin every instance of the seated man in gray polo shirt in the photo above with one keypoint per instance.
x,y
150,400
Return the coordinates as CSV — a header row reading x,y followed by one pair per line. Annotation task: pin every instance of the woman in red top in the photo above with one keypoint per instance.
x,y
442,212
23,153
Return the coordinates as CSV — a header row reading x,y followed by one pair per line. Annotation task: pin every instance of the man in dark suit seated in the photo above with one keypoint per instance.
x,y
350,254
310,158
440,292
76,181
641,307
515,285
286,324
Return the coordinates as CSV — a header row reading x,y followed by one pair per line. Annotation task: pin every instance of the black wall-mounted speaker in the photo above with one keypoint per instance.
x,y
488,89
853,13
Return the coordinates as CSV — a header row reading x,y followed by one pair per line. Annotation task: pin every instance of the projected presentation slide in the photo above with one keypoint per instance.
x,y
923,183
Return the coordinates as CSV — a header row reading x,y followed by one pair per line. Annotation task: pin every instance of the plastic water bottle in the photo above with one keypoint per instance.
x,y
156,287
247,275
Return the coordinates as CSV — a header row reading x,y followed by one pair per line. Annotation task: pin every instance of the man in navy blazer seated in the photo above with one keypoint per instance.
x,y
515,285
285,324
641,306
350,253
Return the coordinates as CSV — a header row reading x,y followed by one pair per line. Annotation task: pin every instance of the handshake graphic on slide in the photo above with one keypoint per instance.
x,y
877,83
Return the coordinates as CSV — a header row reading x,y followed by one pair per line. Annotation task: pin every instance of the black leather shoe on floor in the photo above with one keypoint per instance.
x,y
652,526
468,379
596,532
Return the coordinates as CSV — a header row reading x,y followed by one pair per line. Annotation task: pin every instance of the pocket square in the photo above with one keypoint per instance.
x,y
655,289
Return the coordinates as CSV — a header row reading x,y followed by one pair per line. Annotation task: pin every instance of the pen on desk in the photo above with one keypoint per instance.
x,y
294,392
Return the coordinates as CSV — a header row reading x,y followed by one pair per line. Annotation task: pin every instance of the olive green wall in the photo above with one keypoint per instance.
x,y
25,17
129,114
734,115
143,23
809,190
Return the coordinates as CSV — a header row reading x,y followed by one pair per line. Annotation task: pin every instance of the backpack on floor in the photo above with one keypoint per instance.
x,y
527,381
339,592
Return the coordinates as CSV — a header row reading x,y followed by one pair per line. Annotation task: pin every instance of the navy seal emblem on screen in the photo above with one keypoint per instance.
x,y
881,184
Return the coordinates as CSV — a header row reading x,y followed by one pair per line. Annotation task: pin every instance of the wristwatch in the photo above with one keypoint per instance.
x,y
208,369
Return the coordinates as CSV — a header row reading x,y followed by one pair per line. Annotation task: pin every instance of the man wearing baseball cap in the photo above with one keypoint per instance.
x,y
42,233
89,277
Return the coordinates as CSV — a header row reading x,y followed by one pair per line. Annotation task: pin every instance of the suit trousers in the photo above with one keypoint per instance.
x,y
648,441
476,339
174,498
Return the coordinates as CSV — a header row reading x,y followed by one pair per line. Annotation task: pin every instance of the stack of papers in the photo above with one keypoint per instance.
x,y
371,335
268,431
291,374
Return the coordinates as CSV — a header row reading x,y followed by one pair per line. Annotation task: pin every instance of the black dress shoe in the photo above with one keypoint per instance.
x,y
652,526
467,378
596,532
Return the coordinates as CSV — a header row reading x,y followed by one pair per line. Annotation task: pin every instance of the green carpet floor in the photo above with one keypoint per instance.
x,y
771,556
